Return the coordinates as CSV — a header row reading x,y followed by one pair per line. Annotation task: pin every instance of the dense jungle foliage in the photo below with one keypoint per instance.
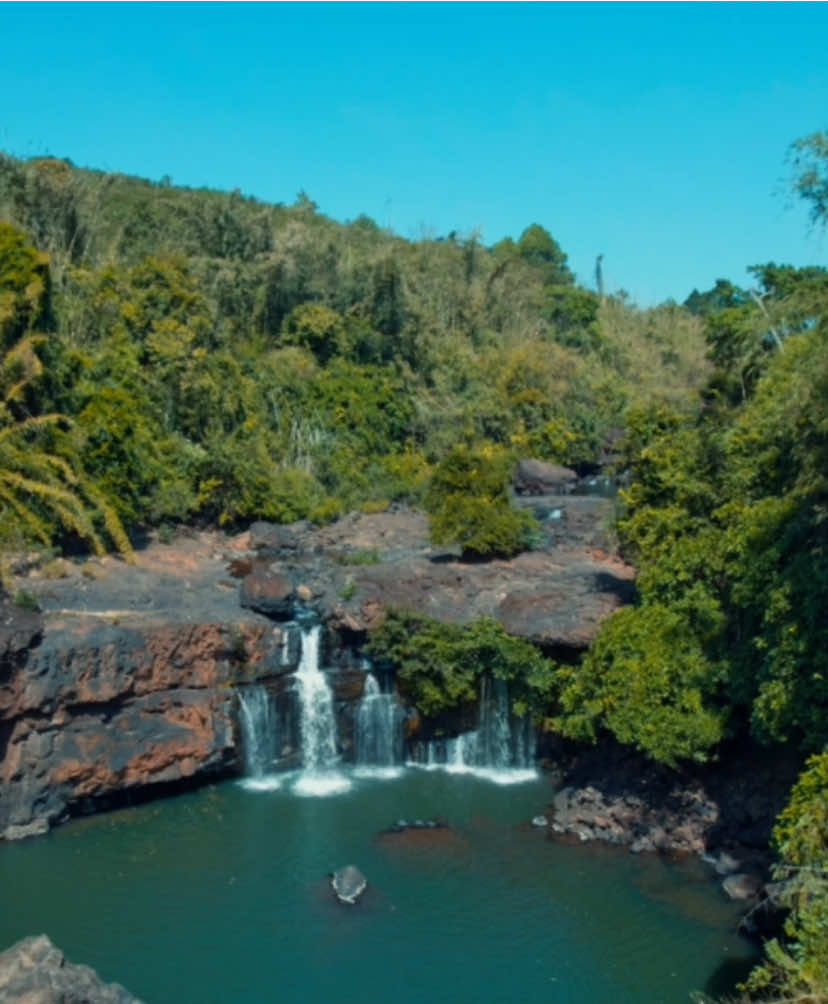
x,y
221,359
171,355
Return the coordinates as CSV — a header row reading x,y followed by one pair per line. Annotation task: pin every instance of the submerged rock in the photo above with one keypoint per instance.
x,y
34,970
403,825
348,884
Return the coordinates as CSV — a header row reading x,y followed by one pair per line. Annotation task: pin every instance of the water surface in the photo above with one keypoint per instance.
x,y
220,896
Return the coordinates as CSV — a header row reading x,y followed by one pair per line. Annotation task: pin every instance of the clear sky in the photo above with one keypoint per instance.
x,y
653,133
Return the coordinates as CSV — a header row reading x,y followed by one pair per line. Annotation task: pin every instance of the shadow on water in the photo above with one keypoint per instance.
x,y
727,975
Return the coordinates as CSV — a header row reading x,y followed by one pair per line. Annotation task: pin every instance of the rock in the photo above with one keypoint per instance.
x,y
403,825
97,710
34,971
347,684
726,864
272,537
268,593
723,812
36,828
742,886
540,821
304,593
536,477
20,630
348,884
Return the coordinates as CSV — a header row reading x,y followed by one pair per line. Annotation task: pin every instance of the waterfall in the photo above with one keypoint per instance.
x,y
494,735
500,749
378,732
317,725
260,737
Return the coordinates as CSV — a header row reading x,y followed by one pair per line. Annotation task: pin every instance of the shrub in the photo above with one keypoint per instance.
x,y
439,665
468,504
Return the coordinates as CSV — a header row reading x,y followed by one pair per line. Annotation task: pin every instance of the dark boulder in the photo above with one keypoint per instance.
x,y
537,477
20,629
348,884
34,971
268,593
272,537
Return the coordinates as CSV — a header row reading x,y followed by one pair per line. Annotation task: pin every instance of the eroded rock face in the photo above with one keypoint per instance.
x,y
99,709
127,688
556,595
34,971
20,630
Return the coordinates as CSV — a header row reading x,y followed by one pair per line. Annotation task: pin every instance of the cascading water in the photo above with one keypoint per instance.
x,y
378,732
317,725
260,737
500,749
494,735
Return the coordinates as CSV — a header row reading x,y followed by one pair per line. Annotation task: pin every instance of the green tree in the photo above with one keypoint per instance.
x,y
537,247
809,160
468,504
316,328
43,489
796,965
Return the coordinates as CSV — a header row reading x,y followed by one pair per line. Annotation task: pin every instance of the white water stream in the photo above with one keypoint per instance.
x,y
378,736
317,724
260,737
500,749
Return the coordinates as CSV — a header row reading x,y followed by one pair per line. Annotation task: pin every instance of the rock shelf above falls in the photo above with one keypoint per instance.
x,y
125,685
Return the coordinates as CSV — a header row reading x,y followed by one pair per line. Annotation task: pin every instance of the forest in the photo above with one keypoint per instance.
x,y
174,356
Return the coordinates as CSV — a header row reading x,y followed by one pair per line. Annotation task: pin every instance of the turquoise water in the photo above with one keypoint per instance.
x,y
220,896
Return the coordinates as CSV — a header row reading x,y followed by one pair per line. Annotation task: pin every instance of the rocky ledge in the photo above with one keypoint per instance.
x,y
352,572
34,971
123,684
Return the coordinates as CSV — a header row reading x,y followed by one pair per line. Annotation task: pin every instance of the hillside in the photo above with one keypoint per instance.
x,y
224,359
173,356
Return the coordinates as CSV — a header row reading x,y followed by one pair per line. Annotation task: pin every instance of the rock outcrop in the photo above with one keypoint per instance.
x,y
724,812
556,595
123,684
537,477
348,884
34,971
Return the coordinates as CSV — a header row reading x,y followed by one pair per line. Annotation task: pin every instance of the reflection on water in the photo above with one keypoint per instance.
x,y
221,896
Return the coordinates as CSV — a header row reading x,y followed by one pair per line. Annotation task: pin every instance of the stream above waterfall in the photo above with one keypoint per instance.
x,y
221,896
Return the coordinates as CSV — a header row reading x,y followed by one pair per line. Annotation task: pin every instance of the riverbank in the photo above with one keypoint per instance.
x,y
723,812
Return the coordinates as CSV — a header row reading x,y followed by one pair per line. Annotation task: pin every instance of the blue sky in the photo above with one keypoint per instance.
x,y
655,133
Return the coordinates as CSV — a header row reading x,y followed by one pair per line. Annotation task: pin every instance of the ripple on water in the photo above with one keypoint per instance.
x,y
321,785
497,775
269,782
378,773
